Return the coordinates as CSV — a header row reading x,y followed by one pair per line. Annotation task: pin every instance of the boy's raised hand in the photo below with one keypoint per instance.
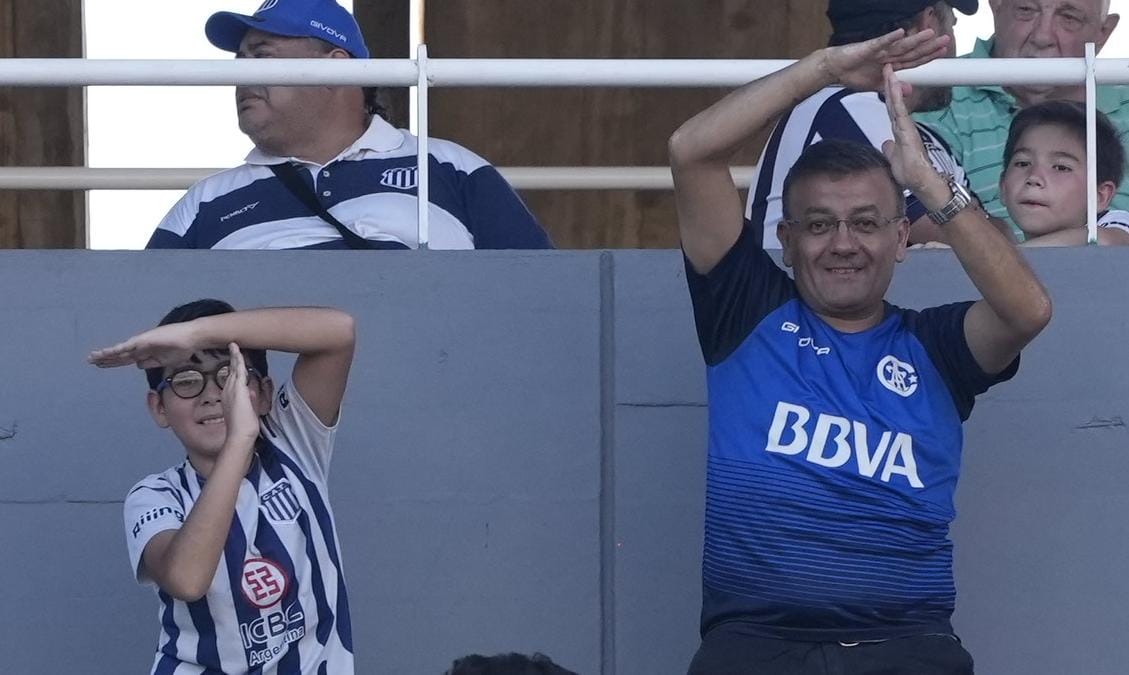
x,y
161,346
239,415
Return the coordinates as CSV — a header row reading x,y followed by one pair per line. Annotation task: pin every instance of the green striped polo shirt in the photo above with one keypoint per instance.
x,y
975,126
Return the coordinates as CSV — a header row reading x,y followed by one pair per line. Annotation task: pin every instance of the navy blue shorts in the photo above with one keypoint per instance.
x,y
730,652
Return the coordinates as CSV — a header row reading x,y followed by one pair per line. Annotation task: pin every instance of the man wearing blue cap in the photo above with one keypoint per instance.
x,y
838,112
327,172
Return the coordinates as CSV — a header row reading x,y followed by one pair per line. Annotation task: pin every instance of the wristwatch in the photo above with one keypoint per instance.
x,y
961,198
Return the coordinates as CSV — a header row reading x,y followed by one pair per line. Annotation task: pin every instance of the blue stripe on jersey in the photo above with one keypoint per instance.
x,y
207,649
755,221
169,649
270,547
325,523
269,454
234,551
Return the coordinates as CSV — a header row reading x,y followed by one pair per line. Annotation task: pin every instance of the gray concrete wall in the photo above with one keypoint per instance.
x,y
521,461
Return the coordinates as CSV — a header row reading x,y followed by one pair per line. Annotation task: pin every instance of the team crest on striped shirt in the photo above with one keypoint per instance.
x,y
280,503
403,178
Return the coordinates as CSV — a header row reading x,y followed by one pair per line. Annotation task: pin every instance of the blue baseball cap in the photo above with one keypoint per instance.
x,y
322,19
862,16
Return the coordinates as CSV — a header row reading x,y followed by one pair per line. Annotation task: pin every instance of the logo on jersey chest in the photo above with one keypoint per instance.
x,y
897,376
280,503
264,582
405,178
832,441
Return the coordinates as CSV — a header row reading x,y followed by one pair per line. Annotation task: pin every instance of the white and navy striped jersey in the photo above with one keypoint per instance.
x,y
277,603
833,112
370,188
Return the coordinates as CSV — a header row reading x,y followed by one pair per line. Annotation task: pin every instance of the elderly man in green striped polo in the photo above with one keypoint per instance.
x,y
976,122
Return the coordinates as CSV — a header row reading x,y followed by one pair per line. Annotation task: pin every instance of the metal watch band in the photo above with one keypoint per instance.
x,y
960,199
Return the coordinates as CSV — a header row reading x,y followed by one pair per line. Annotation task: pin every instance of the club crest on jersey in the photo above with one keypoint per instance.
x,y
897,376
404,178
280,503
264,582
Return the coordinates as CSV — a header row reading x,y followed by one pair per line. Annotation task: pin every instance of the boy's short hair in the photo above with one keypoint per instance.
x,y
507,664
256,358
1071,116
838,157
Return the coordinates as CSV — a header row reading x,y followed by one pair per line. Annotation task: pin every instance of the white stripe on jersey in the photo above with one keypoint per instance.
x,y
381,216
855,116
263,607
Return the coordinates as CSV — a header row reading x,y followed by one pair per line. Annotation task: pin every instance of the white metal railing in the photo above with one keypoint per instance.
x,y
425,73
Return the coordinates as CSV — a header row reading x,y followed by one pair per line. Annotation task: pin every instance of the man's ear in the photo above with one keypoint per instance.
x,y
784,234
157,409
903,239
1106,192
1106,30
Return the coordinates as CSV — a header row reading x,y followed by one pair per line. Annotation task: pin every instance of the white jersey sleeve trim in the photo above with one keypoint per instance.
x,y
303,436
150,508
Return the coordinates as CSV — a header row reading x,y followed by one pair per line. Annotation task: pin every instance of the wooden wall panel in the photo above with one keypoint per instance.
x,y
600,126
385,27
41,126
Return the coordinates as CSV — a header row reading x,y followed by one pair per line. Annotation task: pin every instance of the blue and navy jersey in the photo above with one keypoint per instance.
x,y
833,112
277,603
371,188
833,458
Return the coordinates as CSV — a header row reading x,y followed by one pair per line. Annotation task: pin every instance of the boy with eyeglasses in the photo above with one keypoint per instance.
x,y
239,539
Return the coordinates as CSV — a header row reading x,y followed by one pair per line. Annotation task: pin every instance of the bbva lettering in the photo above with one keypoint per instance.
x,y
894,451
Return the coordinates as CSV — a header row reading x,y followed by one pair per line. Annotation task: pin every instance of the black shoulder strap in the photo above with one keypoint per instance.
x,y
289,176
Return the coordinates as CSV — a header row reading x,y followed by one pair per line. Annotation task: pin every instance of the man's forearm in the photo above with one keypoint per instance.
x,y
992,262
713,135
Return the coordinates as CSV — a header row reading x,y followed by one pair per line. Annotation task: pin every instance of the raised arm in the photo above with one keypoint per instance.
x,y
1015,306
322,337
709,207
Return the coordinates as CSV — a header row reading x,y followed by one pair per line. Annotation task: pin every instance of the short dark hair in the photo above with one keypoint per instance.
x,y
257,358
507,664
1071,115
838,157
877,30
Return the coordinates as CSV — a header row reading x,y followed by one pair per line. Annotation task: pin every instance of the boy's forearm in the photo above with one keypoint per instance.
x,y
299,330
187,565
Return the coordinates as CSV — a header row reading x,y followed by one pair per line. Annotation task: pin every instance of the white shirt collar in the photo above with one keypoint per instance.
x,y
379,137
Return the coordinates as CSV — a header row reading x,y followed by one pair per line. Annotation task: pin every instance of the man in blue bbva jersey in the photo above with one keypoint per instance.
x,y
239,539
835,417
351,164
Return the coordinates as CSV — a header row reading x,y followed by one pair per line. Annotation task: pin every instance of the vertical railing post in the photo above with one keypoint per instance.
x,y
423,233
1091,147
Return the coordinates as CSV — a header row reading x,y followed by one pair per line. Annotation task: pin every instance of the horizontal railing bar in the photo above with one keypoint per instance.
x,y
516,72
521,177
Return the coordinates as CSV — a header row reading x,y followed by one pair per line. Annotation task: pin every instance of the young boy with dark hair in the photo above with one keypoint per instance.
x,y
1043,184
239,538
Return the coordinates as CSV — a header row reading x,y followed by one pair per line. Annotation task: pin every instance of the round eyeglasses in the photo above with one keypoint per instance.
x,y
190,382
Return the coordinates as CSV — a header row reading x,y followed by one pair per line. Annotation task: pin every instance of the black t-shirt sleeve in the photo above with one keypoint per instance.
x,y
735,295
941,331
